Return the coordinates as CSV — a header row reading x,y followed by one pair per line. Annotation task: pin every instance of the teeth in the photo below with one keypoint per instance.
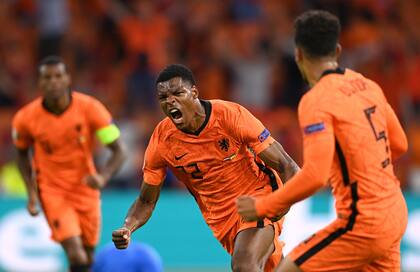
x,y
173,110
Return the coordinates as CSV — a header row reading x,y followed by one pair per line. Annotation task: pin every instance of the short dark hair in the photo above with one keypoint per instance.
x,y
51,60
317,32
176,70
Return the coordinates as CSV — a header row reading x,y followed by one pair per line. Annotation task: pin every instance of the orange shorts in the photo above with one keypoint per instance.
x,y
228,241
68,218
359,247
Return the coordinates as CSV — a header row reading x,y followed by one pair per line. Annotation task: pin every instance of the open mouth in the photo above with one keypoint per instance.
x,y
175,114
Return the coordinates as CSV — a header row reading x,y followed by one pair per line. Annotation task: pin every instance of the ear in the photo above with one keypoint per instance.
x,y
338,51
68,79
194,91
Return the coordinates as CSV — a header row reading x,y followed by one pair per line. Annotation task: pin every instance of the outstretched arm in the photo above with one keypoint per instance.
x,y
318,153
138,214
318,157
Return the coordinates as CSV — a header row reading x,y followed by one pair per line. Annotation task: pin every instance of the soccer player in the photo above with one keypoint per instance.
x,y
220,151
60,128
351,137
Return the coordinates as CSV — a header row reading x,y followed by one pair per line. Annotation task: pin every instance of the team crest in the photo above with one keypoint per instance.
x,y
224,144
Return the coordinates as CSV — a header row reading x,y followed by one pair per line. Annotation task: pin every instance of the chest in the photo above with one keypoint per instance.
x,y
58,133
199,157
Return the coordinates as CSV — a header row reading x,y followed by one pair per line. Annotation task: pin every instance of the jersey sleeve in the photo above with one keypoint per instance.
x,y
21,135
154,166
397,138
100,120
249,130
318,152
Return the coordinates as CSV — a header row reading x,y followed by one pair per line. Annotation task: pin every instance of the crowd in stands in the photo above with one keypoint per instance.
x,y
239,50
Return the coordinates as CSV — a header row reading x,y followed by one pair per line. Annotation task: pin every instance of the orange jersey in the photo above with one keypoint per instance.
x,y
350,136
62,143
215,164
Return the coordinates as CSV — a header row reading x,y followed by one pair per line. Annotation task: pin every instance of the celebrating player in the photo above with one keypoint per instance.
x,y
60,129
351,137
220,151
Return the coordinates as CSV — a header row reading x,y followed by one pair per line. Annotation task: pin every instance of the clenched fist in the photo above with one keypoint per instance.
x,y
121,237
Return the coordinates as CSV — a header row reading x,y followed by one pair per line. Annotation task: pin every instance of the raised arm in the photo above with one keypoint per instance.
x,y
138,214
318,153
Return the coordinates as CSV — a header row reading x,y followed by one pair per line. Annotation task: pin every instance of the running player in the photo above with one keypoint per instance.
x,y
220,151
60,129
351,137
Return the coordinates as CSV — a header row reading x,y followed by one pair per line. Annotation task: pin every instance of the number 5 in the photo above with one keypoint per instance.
x,y
378,136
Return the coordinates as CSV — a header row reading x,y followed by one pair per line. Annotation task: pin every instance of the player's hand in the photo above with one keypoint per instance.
x,y
32,206
95,181
121,237
246,208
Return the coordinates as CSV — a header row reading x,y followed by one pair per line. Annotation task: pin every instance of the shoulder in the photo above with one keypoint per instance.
x,y
226,109
84,99
223,105
163,130
29,110
326,94
315,98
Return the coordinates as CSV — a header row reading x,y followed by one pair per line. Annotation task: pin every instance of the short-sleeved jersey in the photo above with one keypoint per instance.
x,y
352,111
216,163
63,143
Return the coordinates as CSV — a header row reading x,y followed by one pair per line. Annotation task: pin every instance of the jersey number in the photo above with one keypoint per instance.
x,y
191,169
381,135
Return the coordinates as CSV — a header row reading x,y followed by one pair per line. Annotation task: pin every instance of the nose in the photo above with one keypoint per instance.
x,y
171,99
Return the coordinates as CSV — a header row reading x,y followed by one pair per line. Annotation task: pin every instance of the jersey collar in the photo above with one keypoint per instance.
x,y
338,70
45,107
207,109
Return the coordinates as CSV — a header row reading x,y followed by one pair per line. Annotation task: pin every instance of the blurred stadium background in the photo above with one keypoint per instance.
x,y
239,50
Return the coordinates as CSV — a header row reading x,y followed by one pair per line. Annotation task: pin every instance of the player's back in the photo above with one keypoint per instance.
x,y
362,170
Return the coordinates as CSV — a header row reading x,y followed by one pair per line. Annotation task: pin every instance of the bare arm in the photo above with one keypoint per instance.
x,y
25,168
143,207
277,158
114,163
138,214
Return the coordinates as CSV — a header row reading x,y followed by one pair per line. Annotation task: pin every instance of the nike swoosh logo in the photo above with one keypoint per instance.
x,y
180,157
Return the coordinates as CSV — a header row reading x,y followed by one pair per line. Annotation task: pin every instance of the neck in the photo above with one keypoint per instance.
x,y
198,118
58,105
317,67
